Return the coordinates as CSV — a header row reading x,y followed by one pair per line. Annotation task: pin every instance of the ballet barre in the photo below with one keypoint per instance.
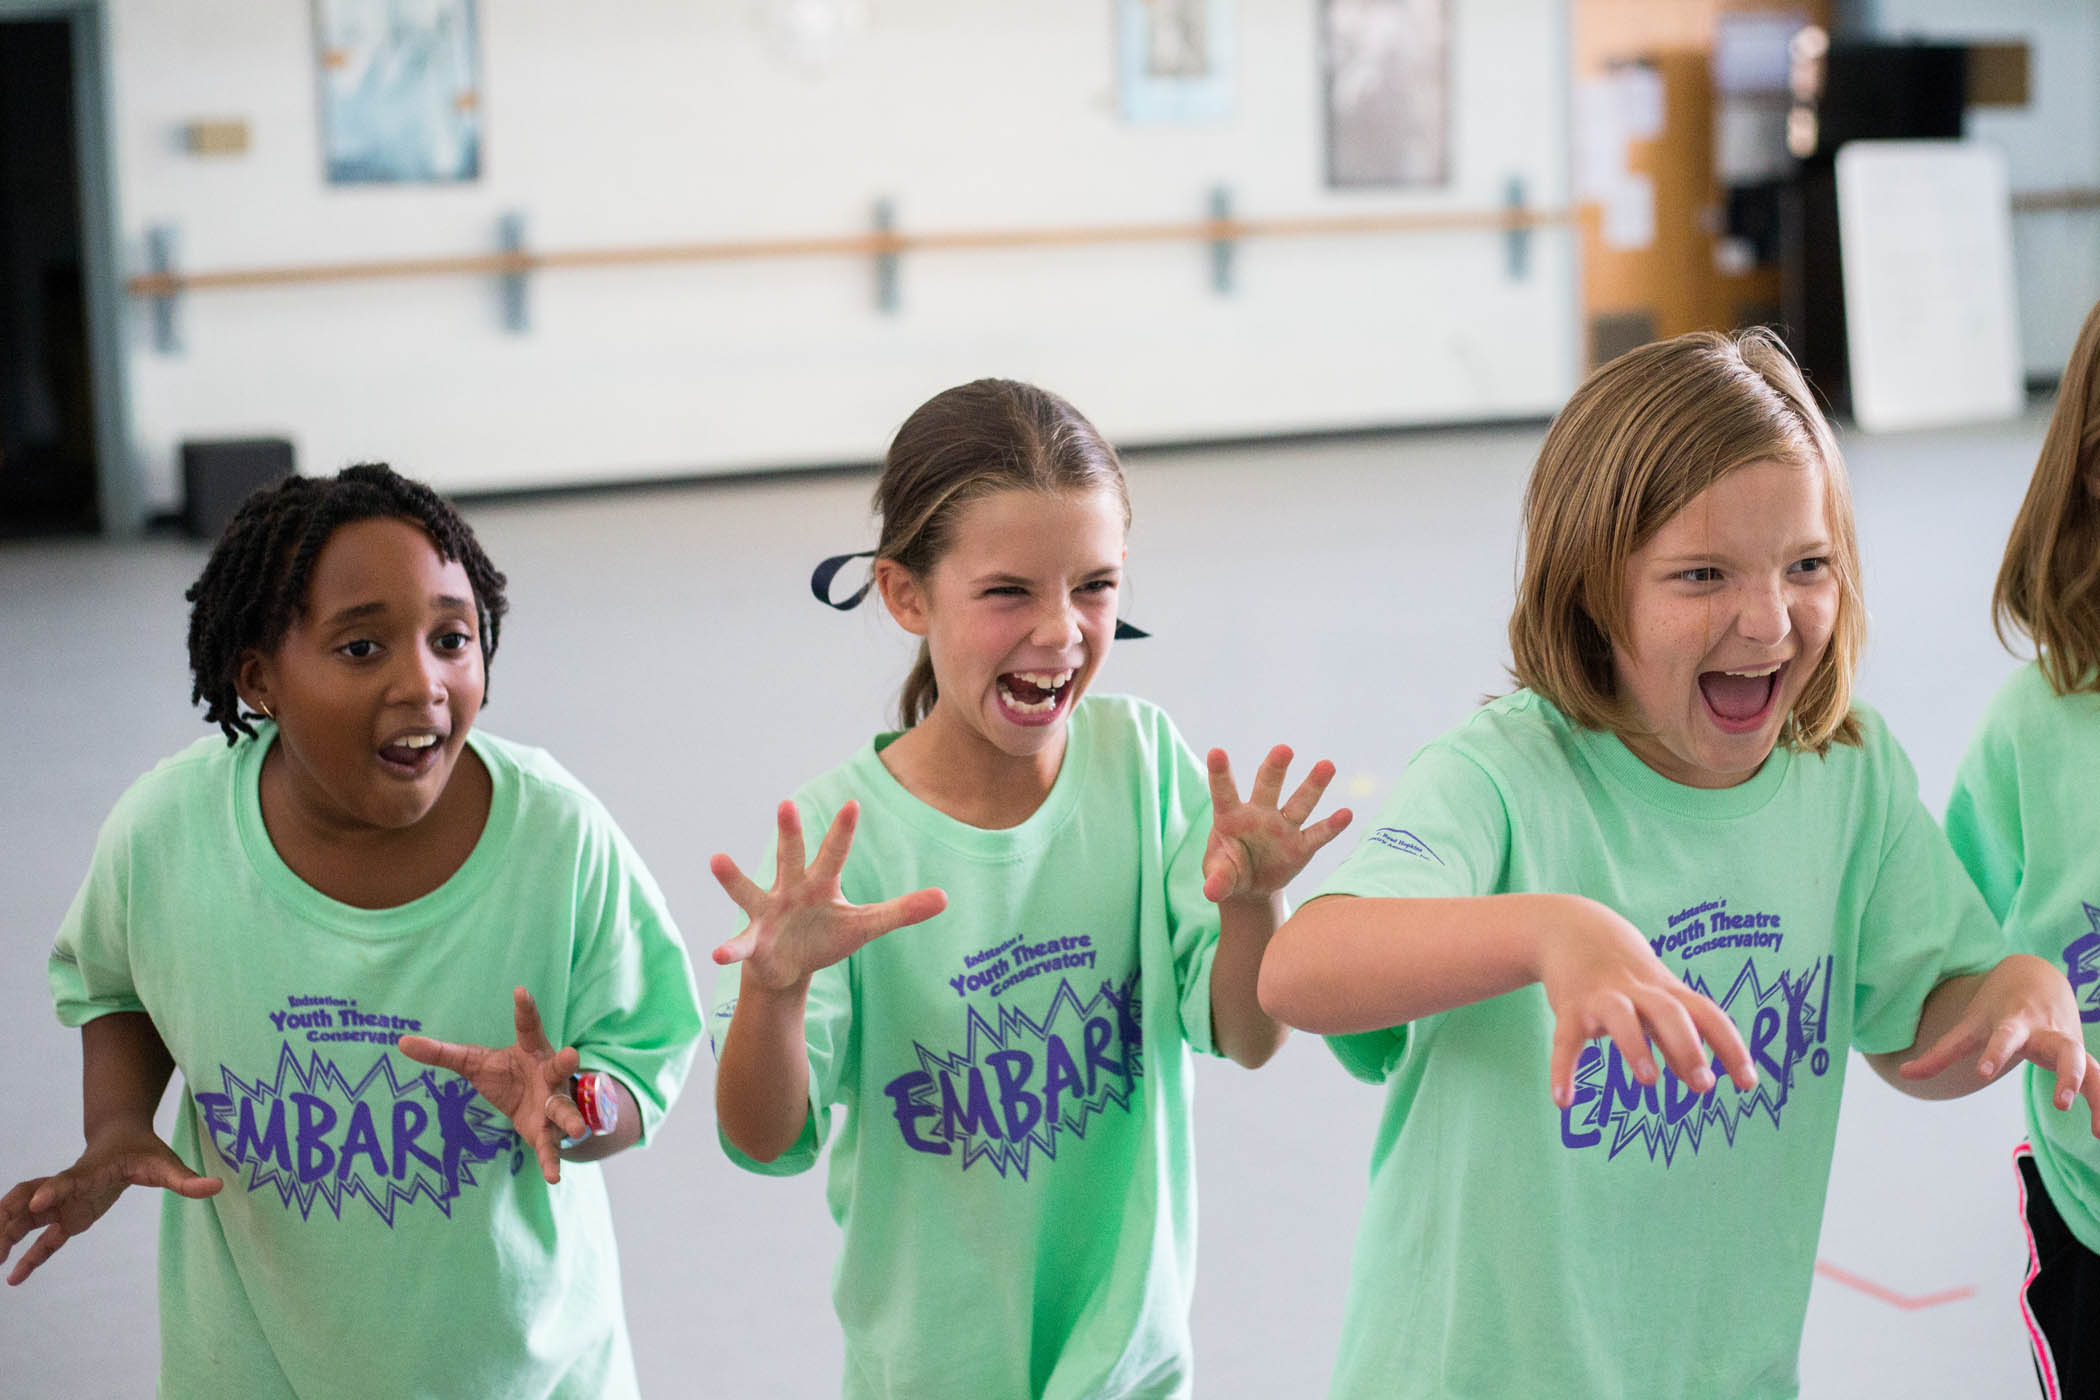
x,y
513,262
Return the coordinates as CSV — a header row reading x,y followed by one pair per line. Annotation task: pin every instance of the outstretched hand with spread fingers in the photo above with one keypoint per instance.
x,y
65,1205
2022,1010
1602,979
1257,847
527,1080
804,922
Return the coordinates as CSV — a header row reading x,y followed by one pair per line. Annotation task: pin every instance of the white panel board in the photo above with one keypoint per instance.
x,y
1926,235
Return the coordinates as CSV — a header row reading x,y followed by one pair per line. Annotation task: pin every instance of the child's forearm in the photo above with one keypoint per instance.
x,y
125,1067
124,1071
1944,1006
1342,965
762,1083
1242,1031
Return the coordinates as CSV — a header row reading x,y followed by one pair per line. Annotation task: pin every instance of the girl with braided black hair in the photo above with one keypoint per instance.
x,y
284,914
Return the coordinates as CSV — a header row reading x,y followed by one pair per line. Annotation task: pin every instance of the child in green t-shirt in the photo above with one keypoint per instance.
x,y
1680,838
288,915
1014,1173
2021,819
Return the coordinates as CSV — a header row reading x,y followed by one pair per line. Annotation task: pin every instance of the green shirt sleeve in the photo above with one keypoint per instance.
x,y
633,1011
1923,923
1983,816
1444,833
827,1024
1192,920
89,970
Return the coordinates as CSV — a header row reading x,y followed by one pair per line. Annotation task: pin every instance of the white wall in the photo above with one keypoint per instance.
x,y
663,121
2052,143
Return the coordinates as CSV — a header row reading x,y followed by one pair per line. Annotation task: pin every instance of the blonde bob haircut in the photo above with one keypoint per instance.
x,y
2049,584
1640,438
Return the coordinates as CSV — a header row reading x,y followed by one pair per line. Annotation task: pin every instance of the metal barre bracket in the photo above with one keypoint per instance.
x,y
1518,239
160,262
1225,243
887,295
511,285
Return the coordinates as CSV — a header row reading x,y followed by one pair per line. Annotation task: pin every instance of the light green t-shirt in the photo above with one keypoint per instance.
x,y
381,1231
2022,819
1643,1242
1014,1169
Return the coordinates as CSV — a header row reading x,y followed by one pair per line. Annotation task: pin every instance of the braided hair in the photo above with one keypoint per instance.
x,y
254,584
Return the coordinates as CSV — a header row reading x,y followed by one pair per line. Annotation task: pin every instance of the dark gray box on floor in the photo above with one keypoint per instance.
x,y
218,475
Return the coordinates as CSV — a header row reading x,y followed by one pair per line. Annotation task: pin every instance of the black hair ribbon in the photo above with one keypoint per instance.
x,y
821,580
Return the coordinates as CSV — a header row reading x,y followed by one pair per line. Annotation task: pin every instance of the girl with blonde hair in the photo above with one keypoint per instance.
x,y
1679,836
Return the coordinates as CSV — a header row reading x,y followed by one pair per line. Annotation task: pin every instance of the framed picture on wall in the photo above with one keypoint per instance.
x,y
400,90
1175,59
1388,91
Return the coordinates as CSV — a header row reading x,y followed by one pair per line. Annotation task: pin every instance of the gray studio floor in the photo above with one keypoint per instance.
x,y
1348,597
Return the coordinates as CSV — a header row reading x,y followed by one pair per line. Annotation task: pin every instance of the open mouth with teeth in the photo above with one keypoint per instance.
x,y
413,753
1034,697
1741,701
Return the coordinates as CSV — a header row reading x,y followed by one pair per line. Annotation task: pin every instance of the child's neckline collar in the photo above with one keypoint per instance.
x,y
284,884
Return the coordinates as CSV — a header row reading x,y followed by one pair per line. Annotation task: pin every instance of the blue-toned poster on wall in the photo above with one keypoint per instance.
x,y
400,90
1176,59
